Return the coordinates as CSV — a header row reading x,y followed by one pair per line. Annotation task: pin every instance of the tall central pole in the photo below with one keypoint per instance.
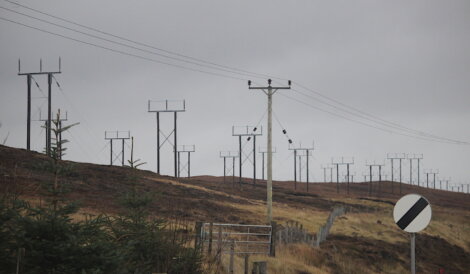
x,y
240,158
269,91
269,185
307,170
295,168
28,126
158,142
412,253
49,114
254,160
175,149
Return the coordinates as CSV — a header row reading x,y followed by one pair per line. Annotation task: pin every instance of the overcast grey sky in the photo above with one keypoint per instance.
x,y
407,62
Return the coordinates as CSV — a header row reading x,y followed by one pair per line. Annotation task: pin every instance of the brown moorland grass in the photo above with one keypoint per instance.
x,y
365,240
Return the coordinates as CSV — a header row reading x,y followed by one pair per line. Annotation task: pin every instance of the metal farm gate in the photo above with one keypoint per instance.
x,y
239,239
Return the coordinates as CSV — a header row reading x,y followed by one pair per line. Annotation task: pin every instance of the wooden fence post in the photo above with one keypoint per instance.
x,y
259,268
246,263
219,245
198,240
272,245
209,250
232,253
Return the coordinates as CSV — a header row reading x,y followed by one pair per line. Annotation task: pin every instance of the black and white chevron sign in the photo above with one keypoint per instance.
x,y
412,213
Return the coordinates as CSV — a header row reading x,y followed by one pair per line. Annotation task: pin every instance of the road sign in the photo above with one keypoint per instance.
x,y
412,213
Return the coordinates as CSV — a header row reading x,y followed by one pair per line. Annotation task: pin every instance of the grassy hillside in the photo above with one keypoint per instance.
x,y
365,240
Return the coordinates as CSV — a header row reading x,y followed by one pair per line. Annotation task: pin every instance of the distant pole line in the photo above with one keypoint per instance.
x,y
29,75
116,135
167,106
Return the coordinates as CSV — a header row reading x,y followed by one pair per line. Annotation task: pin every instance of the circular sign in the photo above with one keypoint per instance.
x,y
412,213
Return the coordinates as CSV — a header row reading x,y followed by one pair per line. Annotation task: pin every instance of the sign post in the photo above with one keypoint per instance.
x,y
412,213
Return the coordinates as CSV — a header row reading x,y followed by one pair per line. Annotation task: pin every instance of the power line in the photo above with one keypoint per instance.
x,y
121,52
363,123
357,113
235,70
364,115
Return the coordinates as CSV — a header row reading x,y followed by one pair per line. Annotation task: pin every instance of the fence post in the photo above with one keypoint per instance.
x,y
232,253
198,241
219,245
259,268
209,250
272,245
246,263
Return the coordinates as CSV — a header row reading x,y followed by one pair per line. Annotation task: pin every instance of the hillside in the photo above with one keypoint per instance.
x,y
365,240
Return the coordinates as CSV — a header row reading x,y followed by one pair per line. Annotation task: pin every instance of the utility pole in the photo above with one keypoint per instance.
x,y
337,164
249,132
366,175
370,174
325,168
412,157
431,172
167,106
269,91
186,149
263,151
29,75
392,158
434,178
229,155
307,152
352,177
116,135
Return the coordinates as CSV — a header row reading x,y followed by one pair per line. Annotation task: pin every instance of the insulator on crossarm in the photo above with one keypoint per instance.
x,y
284,131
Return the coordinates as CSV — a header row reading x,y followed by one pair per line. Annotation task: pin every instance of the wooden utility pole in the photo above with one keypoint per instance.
x,y
269,91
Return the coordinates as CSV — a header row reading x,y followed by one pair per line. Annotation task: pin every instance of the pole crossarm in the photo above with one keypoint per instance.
x,y
166,106
186,148
228,154
120,135
247,131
